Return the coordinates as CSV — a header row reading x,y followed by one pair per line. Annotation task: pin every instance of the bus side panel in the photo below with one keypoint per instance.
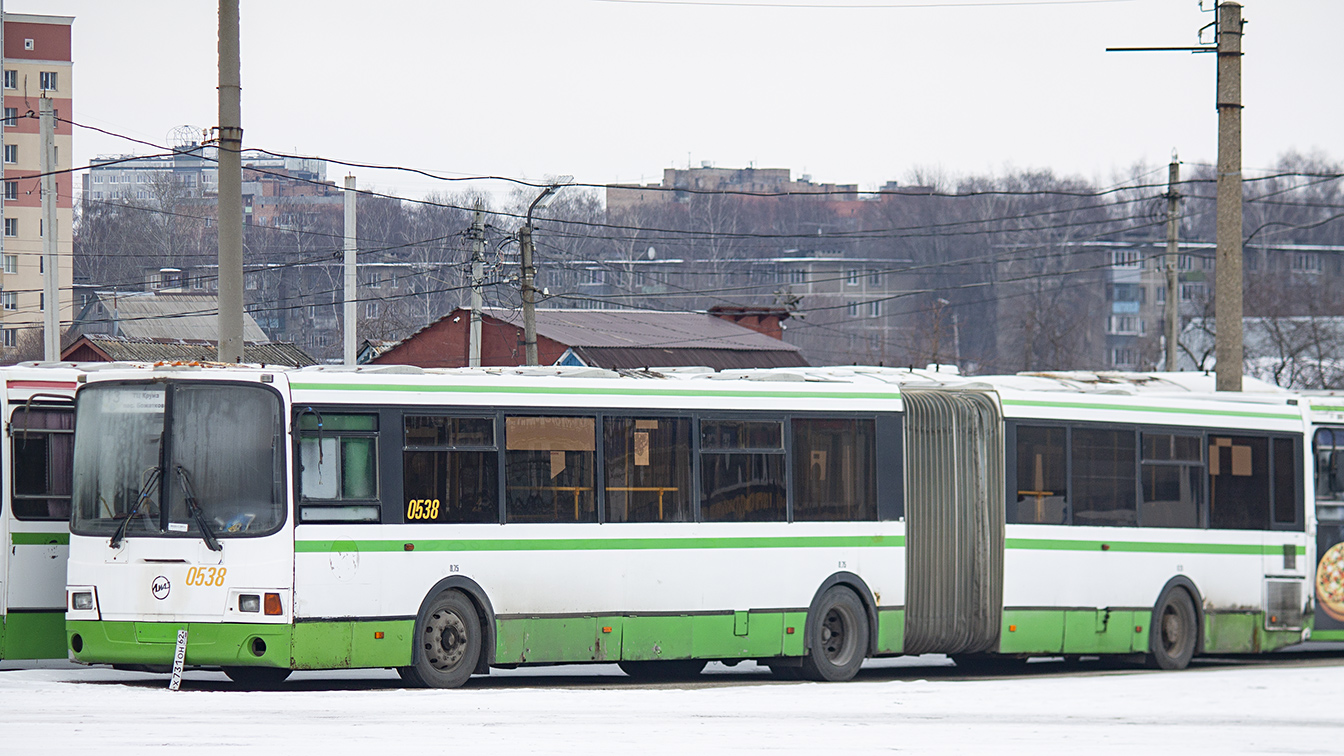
x,y
1086,590
574,593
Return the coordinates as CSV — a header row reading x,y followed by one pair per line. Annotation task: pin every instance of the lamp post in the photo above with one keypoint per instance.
x,y
529,273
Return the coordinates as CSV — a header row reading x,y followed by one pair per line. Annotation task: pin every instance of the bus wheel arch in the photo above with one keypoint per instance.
x,y
485,612
1179,594
854,583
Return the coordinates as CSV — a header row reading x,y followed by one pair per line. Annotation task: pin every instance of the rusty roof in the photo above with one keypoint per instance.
x,y
131,349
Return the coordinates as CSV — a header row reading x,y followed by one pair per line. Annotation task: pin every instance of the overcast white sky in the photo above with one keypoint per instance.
x,y
617,91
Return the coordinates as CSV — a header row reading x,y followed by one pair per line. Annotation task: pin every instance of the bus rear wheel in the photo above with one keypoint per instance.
x,y
839,637
447,643
259,676
1174,631
671,669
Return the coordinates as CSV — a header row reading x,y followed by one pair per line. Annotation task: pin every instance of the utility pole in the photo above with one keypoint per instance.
x,y
351,271
1227,305
230,201
51,303
529,295
529,273
1173,309
477,236
1227,308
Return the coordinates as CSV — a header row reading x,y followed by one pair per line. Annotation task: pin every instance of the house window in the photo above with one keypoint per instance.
x,y
11,153
874,309
47,80
853,309
9,337
874,278
1126,258
11,264
41,301
9,300
11,117
370,309
11,226
97,178
1303,262
11,79
11,190
798,275
851,277
97,195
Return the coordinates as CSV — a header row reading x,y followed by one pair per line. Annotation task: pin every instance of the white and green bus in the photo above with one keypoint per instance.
x,y
37,407
446,522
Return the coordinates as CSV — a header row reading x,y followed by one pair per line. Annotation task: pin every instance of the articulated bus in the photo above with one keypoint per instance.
x,y
446,522
37,406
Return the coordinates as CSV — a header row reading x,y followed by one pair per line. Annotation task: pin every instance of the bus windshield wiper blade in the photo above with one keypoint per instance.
x,y
154,474
195,509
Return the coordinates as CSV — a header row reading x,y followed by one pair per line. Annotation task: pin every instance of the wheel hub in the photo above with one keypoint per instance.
x,y
445,641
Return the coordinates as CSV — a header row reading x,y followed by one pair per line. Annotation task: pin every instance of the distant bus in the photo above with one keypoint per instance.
x,y
446,522
37,405
1327,415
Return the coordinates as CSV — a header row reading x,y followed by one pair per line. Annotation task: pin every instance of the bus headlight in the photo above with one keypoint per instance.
x,y
83,601
249,602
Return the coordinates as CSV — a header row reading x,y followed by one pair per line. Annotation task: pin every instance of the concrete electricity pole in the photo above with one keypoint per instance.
x,y
477,236
230,187
1173,304
51,303
351,271
1227,308
529,273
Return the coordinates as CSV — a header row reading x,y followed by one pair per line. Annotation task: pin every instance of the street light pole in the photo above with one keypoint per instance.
x,y
529,272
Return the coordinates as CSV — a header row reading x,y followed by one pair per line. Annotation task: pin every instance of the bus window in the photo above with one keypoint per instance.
x,y
648,469
338,466
43,442
450,470
1172,484
742,471
548,469
1238,483
1103,477
1286,509
1041,476
834,469
1328,445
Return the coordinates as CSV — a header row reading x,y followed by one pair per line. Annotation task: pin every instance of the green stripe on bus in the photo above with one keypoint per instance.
x,y
1162,410
599,544
1149,547
38,539
454,389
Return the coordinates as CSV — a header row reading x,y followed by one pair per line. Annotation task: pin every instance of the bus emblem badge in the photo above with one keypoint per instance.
x,y
160,587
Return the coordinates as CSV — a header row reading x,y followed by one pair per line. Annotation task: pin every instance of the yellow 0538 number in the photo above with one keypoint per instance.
x,y
206,575
422,509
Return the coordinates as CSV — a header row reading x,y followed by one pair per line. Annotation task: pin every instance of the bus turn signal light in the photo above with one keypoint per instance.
x,y
273,604
377,634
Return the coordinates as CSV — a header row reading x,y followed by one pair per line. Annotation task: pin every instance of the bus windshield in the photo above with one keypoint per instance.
x,y
198,460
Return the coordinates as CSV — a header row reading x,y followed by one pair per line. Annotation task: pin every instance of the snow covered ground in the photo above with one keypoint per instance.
x,y
918,705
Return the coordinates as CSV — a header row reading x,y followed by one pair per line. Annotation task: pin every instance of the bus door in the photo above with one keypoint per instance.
x,y
954,521
1328,452
37,476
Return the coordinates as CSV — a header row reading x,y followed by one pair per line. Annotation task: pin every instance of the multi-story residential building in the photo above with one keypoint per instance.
x,y
37,64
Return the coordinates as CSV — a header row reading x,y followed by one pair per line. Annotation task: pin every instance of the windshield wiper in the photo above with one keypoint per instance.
x,y
195,509
154,474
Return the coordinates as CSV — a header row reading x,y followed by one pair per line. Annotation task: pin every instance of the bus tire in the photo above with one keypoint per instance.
x,y
257,676
671,669
1174,631
839,637
447,642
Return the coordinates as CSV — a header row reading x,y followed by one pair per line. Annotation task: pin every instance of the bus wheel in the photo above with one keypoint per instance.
x,y
448,642
671,669
260,676
839,639
1174,631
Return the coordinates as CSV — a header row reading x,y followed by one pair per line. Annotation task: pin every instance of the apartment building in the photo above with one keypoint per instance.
x,y
37,63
